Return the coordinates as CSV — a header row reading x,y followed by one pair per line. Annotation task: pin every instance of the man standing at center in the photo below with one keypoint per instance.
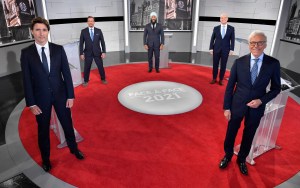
x,y
221,45
154,41
91,37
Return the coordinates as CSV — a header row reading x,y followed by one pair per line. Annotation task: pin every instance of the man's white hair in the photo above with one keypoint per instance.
x,y
153,14
255,33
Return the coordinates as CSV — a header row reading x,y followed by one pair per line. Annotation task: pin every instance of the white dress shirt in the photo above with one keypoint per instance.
x,y
47,52
222,28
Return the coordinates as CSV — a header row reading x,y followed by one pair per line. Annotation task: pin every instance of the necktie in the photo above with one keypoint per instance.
x,y
44,60
254,71
92,34
223,31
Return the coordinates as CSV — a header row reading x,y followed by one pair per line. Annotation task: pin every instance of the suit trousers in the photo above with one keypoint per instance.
x,y
217,56
88,64
43,120
251,123
156,52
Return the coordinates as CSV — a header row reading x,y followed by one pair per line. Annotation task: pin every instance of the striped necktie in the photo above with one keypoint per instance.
x,y
254,71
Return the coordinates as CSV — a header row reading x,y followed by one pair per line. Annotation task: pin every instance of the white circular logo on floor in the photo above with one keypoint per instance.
x,y
160,98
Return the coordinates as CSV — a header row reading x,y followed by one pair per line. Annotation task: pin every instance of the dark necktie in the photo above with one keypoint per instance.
x,y
254,71
44,60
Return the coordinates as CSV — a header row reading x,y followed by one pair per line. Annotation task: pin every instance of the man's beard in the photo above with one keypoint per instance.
x,y
153,22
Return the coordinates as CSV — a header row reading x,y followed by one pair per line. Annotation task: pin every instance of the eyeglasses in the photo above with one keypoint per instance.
x,y
259,43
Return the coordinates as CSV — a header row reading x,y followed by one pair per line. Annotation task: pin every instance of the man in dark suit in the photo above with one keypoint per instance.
x,y
246,96
91,37
154,39
48,82
221,45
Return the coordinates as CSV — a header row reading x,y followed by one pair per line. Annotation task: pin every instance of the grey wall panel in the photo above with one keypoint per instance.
x,y
289,56
180,42
10,58
64,33
263,9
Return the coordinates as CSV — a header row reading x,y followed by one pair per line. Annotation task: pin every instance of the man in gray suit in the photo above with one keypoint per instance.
x,y
91,37
154,41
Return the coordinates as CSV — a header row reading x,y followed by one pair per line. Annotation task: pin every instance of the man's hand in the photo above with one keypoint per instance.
x,y
227,114
70,103
35,110
254,103
146,47
231,52
82,57
211,52
103,55
161,47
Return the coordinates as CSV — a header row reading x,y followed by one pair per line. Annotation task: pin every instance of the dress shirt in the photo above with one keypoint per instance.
x,y
222,28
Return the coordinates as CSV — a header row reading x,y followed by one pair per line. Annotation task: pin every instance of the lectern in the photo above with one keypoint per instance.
x,y
164,54
267,132
72,52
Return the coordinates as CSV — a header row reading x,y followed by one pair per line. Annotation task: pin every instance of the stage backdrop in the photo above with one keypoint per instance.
x,y
292,31
172,14
15,18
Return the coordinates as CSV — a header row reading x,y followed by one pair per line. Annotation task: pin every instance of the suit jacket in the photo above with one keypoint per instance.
x,y
240,91
154,38
40,87
217,44
91,47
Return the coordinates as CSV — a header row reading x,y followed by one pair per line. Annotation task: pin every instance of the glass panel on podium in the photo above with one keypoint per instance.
x,y
72,52
267,132
242,46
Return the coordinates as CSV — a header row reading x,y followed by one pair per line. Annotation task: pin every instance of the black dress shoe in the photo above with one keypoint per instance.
x,y
243,167
220,82
78,154
150,70
224,162
213,81
157,71
47,167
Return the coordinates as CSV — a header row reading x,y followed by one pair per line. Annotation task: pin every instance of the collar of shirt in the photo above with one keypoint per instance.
x,y
47,52
91,28
259,63
224,26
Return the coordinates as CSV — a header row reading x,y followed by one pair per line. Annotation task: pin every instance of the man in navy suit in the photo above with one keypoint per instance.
x,y
154,39
221,45
246,96
92,37
48,82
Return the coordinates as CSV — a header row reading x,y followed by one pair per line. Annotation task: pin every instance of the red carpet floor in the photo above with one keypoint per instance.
x,y
124,148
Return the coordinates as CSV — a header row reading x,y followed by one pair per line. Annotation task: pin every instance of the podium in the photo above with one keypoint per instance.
x,y
164,54
267,132
72,53
56,127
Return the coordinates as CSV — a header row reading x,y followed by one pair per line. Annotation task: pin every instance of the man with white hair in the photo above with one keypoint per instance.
x,y
221,45
246,96
153,41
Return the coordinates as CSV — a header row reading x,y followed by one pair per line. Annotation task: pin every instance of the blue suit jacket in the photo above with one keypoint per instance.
x,y
240,91
91,47
217,44
154,38
40,87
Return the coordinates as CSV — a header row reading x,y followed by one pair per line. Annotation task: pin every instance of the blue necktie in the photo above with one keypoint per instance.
x,y
254,71
44,60
92,34
223,32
